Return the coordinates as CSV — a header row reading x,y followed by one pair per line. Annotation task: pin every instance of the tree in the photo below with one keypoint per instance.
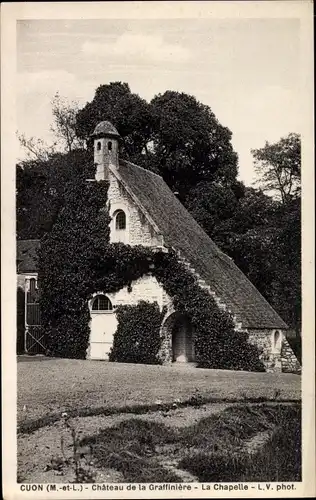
x,y
40,190
36,149
211,204
286,256
189,143
63,128
174,135
279,167
261,235
64,125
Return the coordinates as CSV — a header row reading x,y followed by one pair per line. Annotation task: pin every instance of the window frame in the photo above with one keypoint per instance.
x,y
119,235
116,216
101,311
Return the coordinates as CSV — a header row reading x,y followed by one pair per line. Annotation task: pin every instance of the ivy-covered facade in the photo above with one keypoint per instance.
x,y
127,274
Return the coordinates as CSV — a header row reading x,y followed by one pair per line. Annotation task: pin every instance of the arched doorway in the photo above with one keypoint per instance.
x,y
177,330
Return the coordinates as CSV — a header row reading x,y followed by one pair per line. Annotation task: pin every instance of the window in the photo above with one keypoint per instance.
x,y
98,146
110,146
102,303
120,220
276,341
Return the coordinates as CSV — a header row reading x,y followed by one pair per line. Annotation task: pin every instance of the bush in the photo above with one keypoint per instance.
x,y
70,337
137,338
228,350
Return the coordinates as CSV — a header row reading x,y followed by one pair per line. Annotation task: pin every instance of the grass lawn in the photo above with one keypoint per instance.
x,y
48,386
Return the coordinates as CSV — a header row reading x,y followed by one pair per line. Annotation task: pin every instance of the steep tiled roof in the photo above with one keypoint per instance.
x,y
26,255
183,233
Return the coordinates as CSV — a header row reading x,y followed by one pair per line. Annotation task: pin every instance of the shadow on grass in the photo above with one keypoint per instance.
x,y
278,460
212,450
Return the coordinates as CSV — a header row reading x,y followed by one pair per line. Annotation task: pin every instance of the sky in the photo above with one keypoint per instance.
x,y
246,70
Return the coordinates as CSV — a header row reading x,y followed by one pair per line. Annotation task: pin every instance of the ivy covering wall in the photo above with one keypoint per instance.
x,y
217,344
137,338
66,264
76,259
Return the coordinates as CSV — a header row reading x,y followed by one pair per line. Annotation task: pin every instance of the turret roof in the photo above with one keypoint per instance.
x,y
105,128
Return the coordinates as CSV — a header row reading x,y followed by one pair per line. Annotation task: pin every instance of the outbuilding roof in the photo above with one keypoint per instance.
x,y
26,255
181,232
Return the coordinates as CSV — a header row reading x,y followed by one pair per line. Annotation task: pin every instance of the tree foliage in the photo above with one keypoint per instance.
x,y
189,143
286,258
174,135
279,167
40,190
64,124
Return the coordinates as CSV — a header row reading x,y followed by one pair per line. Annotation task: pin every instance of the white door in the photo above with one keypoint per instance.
x,y
103,327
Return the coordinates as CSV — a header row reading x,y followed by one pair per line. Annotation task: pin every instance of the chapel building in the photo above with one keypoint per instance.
x,y
144,211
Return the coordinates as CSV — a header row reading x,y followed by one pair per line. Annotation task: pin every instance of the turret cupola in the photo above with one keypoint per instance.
x,y
106,144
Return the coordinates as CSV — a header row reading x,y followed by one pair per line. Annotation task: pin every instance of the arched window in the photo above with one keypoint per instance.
x,y
276,340
109,145
102,303
120,220
98,146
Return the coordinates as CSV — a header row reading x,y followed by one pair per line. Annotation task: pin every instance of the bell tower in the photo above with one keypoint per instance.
x,y
106,144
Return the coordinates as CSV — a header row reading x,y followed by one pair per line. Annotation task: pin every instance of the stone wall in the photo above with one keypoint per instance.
x,y
270,356
145,288
276,357
165,351
140,231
